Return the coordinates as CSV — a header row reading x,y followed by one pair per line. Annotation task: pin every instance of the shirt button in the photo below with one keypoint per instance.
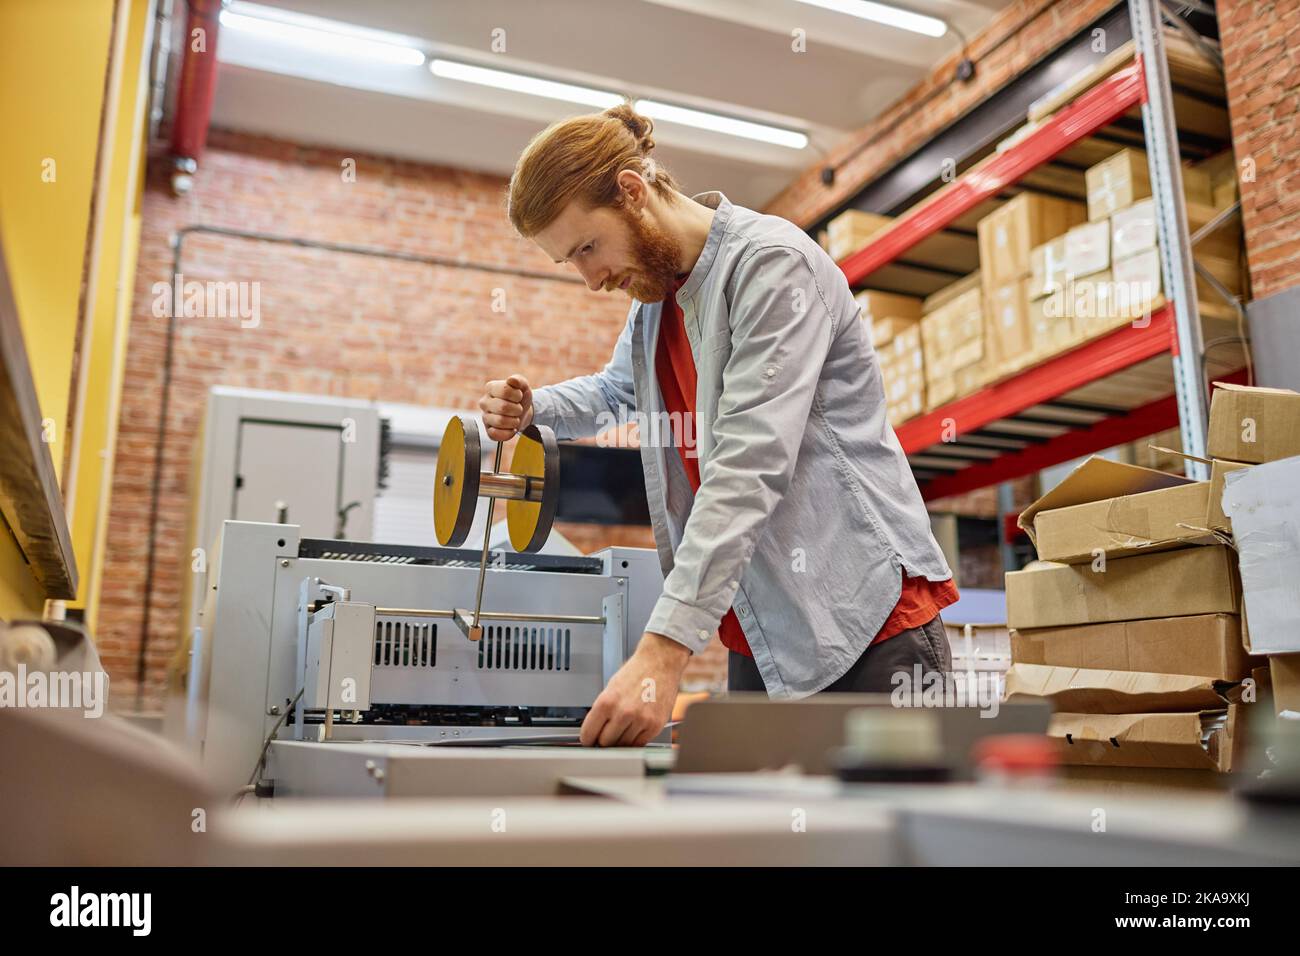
x,y
704,635
769,371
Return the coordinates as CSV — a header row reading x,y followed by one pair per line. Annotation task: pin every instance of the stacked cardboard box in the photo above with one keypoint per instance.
x,y
903,372
1254,438
1110,718
1106,272
1117,182
887,313
1112,271
1007,238
952,339
1051,323
851,230
1132,625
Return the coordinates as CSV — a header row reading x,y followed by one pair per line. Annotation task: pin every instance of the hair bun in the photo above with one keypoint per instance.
x,y
639,126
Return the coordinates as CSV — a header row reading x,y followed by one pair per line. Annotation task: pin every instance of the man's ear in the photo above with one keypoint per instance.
x,y
635,191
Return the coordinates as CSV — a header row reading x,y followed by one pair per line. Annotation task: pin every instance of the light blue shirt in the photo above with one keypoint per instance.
x,y
807,515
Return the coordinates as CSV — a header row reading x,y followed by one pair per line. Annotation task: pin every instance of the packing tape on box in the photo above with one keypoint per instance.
x,y
1095,604
1127,521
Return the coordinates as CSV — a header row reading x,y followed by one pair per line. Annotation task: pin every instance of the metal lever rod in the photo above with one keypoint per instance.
x,y
476,629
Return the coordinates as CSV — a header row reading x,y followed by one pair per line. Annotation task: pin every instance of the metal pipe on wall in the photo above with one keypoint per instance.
x,y
195,91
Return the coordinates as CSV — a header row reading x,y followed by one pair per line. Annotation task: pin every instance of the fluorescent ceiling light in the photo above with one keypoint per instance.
x,y
603,99
722,124
883,13
319,35
519,83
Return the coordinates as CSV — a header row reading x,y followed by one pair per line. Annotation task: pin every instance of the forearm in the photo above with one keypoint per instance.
x,y
579,407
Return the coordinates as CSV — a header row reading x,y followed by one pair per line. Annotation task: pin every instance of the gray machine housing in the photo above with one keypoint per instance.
x,y
280,608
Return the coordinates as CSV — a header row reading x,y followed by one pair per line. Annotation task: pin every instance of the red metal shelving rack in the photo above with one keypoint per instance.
x,y
1099,106
980,439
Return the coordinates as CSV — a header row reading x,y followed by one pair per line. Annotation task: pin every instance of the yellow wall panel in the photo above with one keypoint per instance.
x,y
53,65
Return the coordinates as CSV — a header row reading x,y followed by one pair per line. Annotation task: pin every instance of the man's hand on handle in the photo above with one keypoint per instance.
x,y
638,700
507,406
636,704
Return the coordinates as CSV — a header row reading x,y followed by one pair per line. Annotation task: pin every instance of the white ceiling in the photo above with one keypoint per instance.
x,y
726,56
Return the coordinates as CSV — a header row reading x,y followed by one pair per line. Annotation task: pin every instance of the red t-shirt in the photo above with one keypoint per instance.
x,y
920,600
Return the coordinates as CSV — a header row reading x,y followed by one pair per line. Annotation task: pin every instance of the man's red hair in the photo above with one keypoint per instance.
x,y
581,158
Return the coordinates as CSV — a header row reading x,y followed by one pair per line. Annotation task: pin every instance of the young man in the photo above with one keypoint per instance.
x,y
784,511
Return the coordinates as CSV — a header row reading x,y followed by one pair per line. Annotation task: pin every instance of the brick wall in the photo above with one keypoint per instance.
x,y
331,324
1048,24
1261,59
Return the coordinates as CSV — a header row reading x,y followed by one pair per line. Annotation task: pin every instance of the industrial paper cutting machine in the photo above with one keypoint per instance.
x,y
334,641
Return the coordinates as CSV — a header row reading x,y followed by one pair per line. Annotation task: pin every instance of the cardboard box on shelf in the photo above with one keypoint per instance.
x,y
902,369
1117,182
1087,249
951,291
877,305
1197,185
901,412
1253,425
1201,740
1134,230
940,391
953,342
1113,508
1204,645
1007,235
851,230
1010,336
1221,165
884,329
1265,513
1102,691
904,398
1092,304
1226,270
952,336
1284,673
1225,193
1200,580
905,348
1051,325
973,377
1136,282
1047,268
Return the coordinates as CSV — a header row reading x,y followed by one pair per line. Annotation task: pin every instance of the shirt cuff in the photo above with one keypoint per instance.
x,y
691,626
542,413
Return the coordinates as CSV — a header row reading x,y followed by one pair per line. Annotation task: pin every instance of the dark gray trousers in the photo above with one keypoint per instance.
x,y
871,673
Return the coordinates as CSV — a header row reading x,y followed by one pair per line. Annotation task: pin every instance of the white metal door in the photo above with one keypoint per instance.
x,y
289,468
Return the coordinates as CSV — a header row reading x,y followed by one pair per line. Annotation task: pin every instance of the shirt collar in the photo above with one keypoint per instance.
x,y
721,218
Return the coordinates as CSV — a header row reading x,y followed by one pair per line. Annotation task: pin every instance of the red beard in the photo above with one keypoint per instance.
x,y
658,256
